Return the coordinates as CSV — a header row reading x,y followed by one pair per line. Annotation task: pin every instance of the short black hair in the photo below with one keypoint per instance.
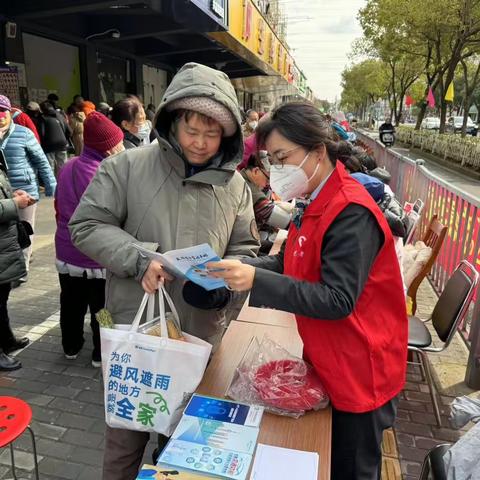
x,y
252,162
126,109
53,97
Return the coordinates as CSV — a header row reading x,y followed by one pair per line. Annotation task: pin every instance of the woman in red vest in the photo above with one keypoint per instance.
x,y
339,274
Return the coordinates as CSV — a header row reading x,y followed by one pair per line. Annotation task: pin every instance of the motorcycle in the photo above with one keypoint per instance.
x,y
387,137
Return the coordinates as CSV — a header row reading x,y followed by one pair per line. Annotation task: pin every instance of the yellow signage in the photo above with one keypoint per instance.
x,y
249,27
272,46
261,36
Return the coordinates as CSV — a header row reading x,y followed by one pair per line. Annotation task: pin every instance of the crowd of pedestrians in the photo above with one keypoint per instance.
x,y
193,171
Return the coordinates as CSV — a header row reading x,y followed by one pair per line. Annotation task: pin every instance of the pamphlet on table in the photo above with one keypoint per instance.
x,y
149,472
188,263
276,463
216,437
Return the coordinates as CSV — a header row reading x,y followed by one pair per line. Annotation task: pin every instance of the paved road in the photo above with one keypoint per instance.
x,y
459,180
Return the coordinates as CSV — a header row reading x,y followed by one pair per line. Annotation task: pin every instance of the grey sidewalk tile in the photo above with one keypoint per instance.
x,y
23,460
91,396
82,438
60,391
47,430
87,456
55,449
71,420
66,470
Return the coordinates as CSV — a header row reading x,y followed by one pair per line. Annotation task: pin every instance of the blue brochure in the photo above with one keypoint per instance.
x,y
188,263
224,411
215,437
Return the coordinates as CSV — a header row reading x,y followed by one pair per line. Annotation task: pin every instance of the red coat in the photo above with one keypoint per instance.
x,y
360,359
21,118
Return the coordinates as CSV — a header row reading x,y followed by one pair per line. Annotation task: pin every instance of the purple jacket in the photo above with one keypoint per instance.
x,y
72,181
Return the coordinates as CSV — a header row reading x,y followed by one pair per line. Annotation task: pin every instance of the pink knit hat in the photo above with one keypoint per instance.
x,y
100,133
209,107
5,103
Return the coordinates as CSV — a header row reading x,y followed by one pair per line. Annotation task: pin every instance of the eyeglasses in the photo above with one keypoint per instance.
x,y
265,173
280,157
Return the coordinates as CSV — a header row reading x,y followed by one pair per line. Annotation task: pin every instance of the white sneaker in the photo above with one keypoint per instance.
x,y
96,364
71,357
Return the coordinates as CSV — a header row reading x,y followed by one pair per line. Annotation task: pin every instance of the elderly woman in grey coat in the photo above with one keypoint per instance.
x,y
12,264
179,192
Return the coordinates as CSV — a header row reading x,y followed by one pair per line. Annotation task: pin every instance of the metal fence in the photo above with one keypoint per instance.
x,y
456,209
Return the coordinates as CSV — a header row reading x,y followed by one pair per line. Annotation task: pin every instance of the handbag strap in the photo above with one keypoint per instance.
x,y
173,309
148,301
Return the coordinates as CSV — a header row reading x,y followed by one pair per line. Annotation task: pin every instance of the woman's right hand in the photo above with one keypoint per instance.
x,y
155,272
21,198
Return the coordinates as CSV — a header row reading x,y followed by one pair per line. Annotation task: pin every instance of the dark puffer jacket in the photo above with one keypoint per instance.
x,y
387,202
394,214
12,265
54,132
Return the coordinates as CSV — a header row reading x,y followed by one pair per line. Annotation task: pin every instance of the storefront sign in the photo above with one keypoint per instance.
x,y
9,84
247,20
261,36
290,70
280,58
272,48
248,25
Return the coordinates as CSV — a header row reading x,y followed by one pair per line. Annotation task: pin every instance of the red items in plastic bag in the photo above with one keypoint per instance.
x,y
289,385
269,375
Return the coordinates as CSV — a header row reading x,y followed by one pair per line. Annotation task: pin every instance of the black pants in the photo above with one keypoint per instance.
x,y
77,294
357,442
6,334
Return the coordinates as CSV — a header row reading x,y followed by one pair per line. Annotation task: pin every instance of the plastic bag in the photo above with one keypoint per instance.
x,y
464,410
270,376
462,460
149,379
154,327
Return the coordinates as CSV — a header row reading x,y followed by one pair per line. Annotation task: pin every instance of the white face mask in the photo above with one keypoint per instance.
x,y
253,125
290,181
144,133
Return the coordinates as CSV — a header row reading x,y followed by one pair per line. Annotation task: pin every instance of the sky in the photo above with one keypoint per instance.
x,y
320,33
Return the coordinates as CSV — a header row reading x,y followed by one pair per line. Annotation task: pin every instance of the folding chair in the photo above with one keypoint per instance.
x,y
414,216
433,467
433,238
449,311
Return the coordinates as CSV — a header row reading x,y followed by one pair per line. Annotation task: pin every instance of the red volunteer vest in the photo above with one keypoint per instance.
x,y
361,359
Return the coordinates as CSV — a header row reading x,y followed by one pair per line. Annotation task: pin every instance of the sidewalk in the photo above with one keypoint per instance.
x,y
66,396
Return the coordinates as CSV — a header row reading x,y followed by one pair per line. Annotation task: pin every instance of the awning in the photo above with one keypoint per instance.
x,y
162,33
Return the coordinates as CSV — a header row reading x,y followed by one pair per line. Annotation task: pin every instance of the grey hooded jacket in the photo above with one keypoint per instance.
x,y
144,196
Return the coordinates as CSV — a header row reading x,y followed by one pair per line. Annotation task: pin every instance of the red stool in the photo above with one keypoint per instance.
x,y
15,416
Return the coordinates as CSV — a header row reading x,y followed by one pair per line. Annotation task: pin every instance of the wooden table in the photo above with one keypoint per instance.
x,y
312,432
266,316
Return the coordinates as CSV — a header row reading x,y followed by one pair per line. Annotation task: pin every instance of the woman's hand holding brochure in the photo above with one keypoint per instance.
x,y
154,274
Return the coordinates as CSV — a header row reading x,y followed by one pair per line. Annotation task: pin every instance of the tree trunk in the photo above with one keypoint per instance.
x,y
467,104
443,115
421,111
